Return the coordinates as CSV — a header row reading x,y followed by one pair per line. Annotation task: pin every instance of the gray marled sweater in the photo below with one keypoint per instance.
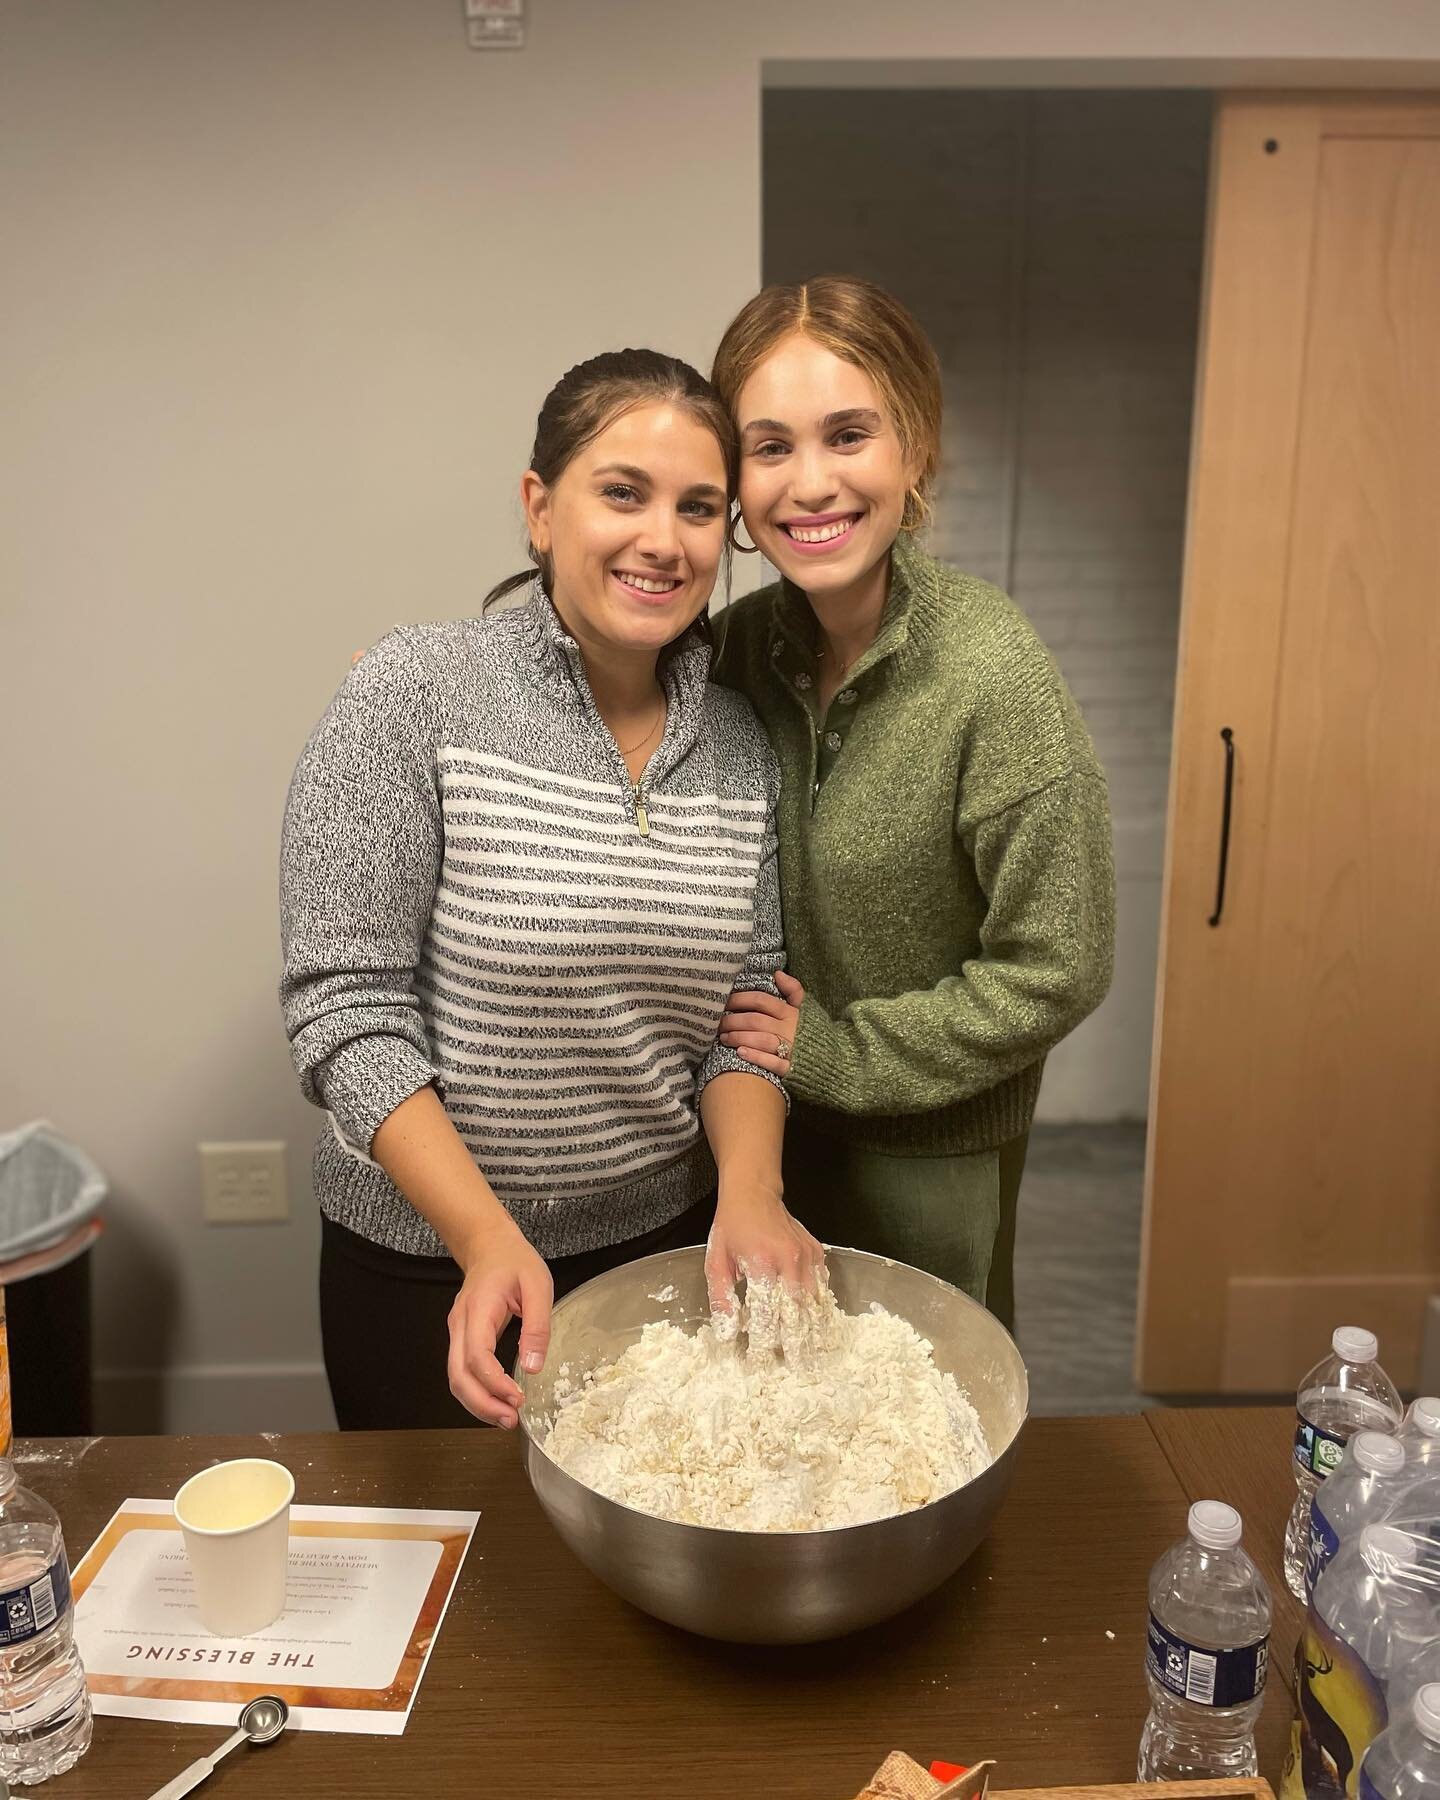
x,y
473,895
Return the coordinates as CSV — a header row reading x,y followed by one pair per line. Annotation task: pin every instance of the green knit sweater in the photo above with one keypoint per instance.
x,y
945,859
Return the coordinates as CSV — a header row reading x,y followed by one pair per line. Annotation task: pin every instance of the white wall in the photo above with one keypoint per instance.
x,y
285,284
1051,245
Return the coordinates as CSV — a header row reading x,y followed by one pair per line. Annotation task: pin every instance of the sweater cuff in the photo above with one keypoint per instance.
x,y
722,1060
818,1064
362,1083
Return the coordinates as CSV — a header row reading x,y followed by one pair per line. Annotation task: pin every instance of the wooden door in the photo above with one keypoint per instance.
x,y
1293,1181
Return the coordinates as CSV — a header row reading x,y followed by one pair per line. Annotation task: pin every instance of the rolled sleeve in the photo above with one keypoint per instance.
x,y
364,1081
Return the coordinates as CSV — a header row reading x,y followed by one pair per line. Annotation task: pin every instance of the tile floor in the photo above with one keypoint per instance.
x,y
1077,1259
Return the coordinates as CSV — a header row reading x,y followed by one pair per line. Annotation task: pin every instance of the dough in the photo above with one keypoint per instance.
x,y
849,1421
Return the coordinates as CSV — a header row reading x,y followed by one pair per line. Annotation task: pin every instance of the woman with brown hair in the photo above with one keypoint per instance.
x,y
945,856
528,860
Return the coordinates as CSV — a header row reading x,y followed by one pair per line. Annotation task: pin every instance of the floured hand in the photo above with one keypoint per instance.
x,y
779,1321
756,1240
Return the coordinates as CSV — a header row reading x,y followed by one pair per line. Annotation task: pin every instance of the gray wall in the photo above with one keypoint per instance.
x,y
1051,246
284,285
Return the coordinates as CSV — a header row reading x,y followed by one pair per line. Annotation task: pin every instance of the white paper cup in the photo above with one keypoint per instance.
x,y
235,1519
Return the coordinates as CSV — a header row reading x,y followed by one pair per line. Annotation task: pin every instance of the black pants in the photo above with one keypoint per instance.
x,y
384,1320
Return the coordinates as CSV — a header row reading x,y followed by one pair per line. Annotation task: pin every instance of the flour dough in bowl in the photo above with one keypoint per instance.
x,y
851,1422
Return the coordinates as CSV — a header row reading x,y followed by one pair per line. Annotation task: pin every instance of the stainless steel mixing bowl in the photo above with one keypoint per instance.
x,y
762,1587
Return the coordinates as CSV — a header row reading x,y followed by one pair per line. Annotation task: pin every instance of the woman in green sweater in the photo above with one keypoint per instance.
x,y
945,850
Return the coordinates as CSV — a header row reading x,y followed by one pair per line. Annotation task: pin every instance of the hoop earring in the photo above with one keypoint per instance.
x,y
916,512
732,536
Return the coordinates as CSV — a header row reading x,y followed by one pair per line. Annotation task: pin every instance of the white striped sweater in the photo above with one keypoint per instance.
x,y
473,895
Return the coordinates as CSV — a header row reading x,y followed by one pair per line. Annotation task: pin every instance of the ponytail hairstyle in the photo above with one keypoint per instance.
x,y
587,399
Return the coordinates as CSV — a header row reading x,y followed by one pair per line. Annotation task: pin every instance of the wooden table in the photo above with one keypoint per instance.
x,y
544,1684
1242,1454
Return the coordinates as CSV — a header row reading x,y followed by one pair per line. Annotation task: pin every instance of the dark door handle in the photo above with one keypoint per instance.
x,y
1229,737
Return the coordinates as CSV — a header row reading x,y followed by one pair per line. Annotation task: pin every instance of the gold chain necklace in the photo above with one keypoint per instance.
x,y
825,650
648,735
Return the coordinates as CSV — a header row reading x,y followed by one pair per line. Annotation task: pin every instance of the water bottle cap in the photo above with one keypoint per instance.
x,y
1377,1453
1425,1416
1382,1546
1427,1711
1353,1344
1214,1524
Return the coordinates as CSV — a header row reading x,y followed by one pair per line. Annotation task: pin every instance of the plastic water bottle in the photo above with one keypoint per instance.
x,y
1381,1599
1417,1509
1344,1393
1404,1761
1420,1433
1406,1683
44,1702
1369,1482
1371,1638
6,1428
1206,1655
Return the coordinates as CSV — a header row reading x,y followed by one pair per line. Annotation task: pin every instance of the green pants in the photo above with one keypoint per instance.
x,y
953,1216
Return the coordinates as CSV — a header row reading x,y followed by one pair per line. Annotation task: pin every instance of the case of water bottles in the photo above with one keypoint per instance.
x,y
1368,1659
1362,1548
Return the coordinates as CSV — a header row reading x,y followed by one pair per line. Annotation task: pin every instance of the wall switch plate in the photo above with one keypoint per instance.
x,y
495,24
243,1184
495,34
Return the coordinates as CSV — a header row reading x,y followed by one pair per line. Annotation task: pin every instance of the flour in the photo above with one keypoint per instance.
x,y
844,1422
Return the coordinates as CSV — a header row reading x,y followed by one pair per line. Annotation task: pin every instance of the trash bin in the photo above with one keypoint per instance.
x,y
50,1199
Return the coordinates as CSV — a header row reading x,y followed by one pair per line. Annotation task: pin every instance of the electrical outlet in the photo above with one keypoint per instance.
x,y
243,1184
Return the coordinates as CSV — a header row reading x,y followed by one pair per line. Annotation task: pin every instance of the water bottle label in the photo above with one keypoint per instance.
x,y
1367,1788
1323,1545
1208,1677
1339,1711
1317,1451
27,1611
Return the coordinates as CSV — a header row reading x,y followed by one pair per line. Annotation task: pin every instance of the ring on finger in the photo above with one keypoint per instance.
x,y
782,1049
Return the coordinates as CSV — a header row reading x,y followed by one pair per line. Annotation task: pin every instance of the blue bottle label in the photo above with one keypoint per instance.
x,y
27,1611
1208,1677
1366,1788
1317,1451
1323,1544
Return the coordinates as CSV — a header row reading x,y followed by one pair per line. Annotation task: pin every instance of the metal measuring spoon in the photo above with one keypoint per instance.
x,y
263,1719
